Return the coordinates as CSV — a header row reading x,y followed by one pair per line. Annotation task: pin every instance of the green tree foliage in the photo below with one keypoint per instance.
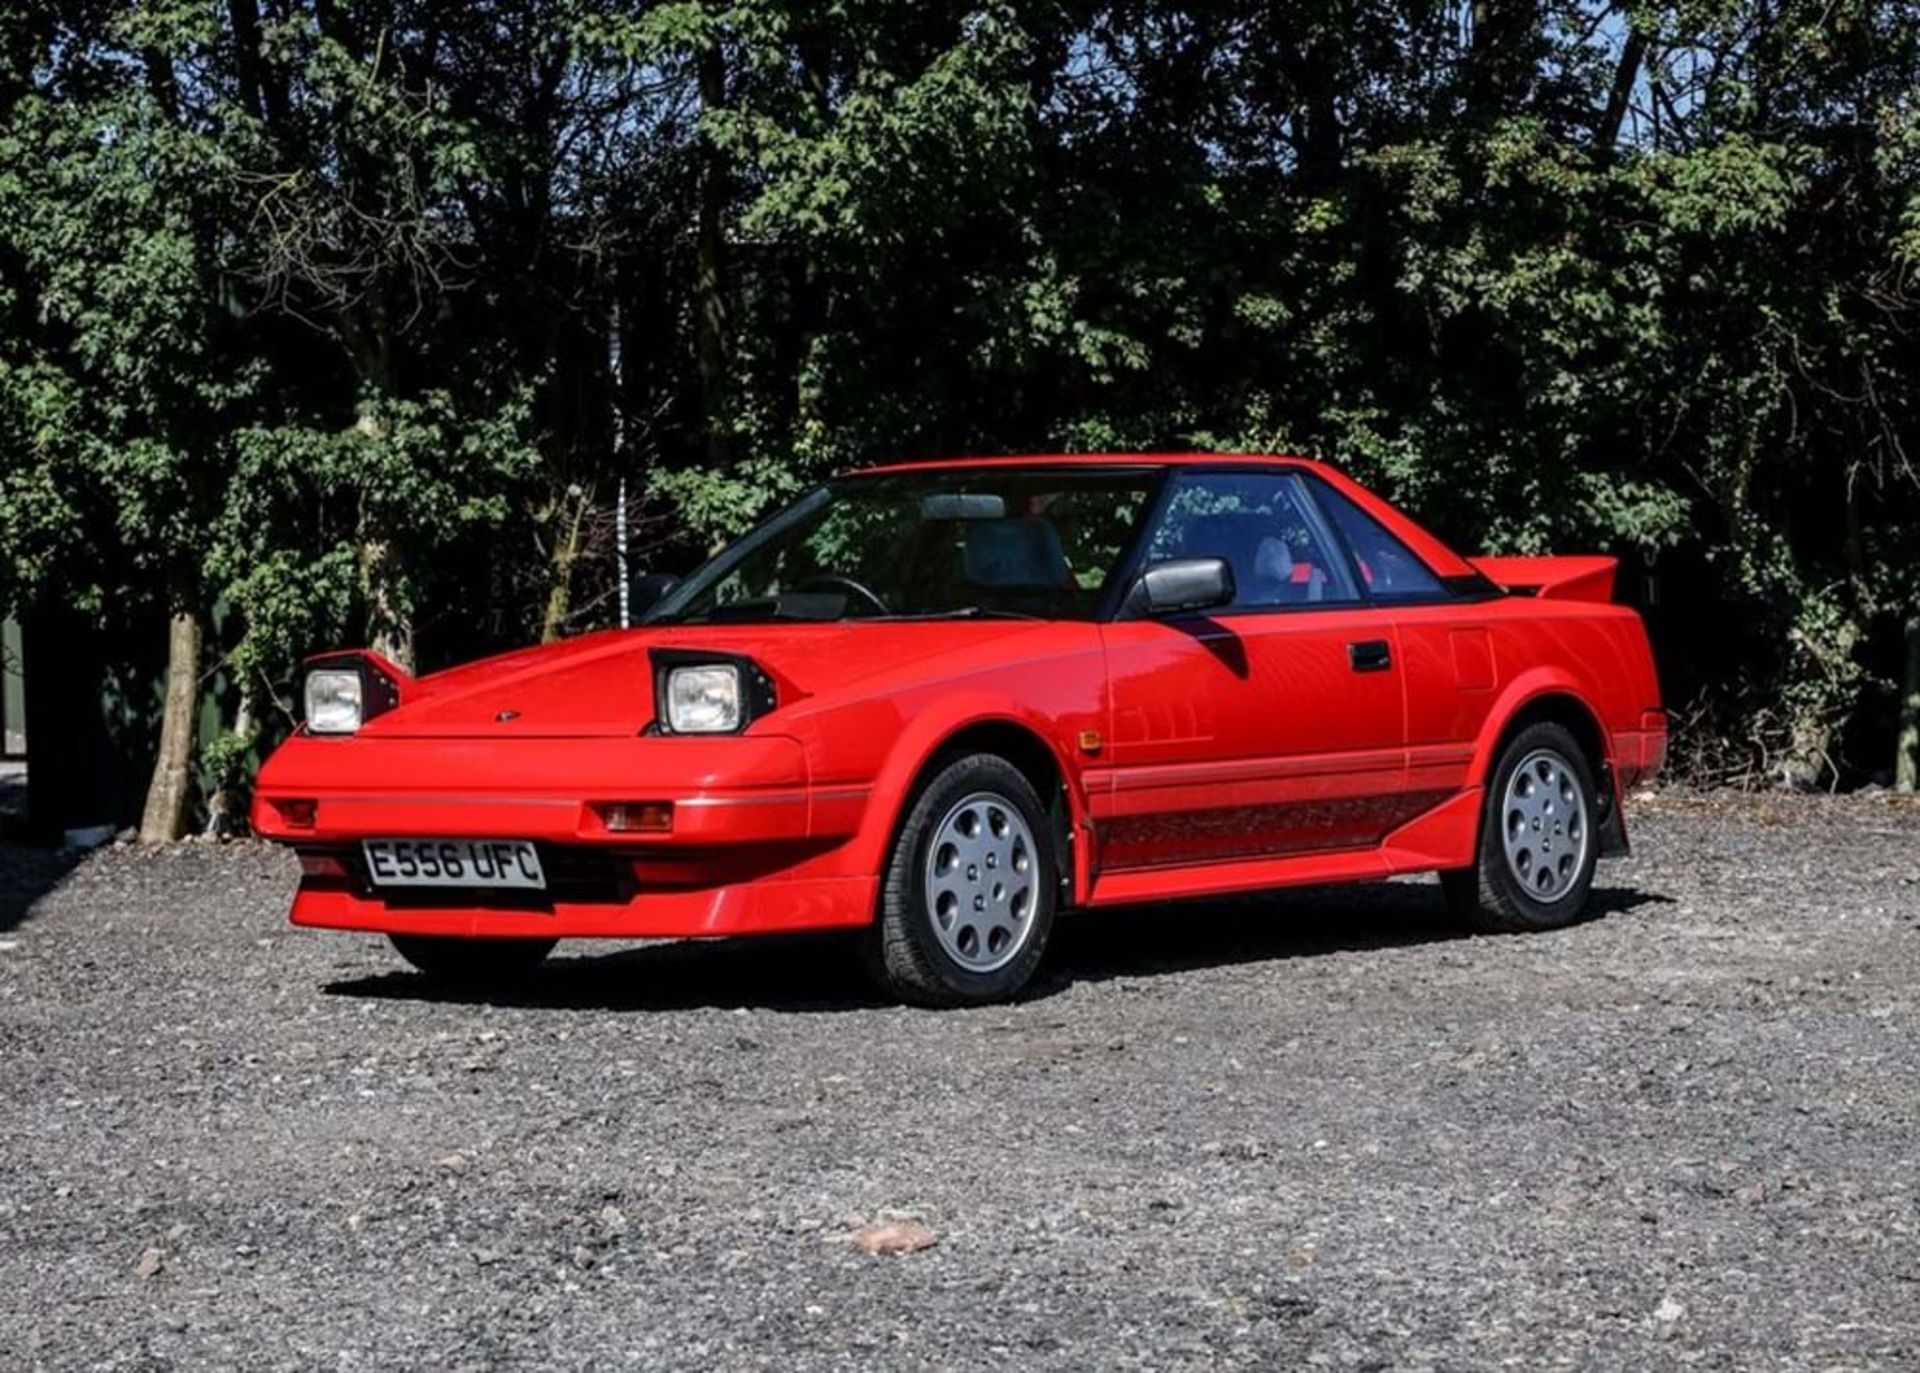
x,y
355,317
121,384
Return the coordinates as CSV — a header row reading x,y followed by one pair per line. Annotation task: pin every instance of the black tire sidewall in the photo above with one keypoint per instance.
x,y
1493,856
906,879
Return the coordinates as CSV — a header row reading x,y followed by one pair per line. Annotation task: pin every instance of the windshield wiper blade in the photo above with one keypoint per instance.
x,y
965,612
765,610
987,612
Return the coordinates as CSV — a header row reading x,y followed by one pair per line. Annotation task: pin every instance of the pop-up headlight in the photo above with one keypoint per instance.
x,y
703,700
701,693
335,702
345,690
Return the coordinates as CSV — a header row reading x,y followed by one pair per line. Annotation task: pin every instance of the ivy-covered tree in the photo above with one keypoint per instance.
x,y
405,293
122,380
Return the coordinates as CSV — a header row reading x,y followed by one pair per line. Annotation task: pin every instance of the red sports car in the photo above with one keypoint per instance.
x,y
942,701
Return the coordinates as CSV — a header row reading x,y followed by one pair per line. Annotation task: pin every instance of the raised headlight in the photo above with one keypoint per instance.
x,y
704,699
696,691
335,701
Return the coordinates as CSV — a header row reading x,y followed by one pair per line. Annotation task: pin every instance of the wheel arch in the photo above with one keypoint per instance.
x,y
1000,730
1556,699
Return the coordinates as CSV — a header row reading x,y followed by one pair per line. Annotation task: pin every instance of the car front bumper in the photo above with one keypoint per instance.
x,y
753,846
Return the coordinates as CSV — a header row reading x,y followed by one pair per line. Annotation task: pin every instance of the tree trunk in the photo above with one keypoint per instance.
x,y
389,623
559,599
226,808
165,817
709,273
1502,60
1906,752
1620,97
1318,138
389,618
566,552
1809,758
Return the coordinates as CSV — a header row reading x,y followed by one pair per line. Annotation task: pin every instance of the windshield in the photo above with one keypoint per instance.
x,y
925,545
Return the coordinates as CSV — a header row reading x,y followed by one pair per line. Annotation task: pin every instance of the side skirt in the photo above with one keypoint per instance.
x,y
1440,838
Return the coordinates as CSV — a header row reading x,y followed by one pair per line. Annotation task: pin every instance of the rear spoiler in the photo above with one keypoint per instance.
x,y
1588,578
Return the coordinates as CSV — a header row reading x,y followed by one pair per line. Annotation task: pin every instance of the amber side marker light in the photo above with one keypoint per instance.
x,y
636,817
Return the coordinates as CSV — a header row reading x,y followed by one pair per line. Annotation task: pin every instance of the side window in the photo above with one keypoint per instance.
x,y
1387,567
1266,529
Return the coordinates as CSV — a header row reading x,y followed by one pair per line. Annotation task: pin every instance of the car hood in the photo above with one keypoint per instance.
x,y
602,684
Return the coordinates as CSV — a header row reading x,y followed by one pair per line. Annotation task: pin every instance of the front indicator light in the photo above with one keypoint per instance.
x,y
335,702
704,699
636,817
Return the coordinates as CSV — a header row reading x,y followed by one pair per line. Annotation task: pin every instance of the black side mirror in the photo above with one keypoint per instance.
x,y
648,590
1181,584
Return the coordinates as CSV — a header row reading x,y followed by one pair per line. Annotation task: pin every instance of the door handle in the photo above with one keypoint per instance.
x,y
1370,655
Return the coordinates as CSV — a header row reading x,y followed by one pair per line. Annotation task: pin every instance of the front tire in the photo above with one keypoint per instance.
x,y
1539,838
968,895
472,962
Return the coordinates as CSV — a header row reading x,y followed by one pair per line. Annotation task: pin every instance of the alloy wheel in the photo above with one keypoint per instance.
x,y
980,878
1543,823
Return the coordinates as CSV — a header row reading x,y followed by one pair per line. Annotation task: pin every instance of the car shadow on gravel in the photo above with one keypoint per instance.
x,y
821,972
29,872
784,972
1306,922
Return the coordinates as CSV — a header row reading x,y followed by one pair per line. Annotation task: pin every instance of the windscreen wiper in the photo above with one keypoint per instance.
x,y
792,606
965,612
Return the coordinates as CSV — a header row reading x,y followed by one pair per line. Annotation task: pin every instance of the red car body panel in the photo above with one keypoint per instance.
x,y
1235,753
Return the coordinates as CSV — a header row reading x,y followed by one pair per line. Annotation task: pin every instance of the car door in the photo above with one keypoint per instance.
x,y
1444,640
1273,725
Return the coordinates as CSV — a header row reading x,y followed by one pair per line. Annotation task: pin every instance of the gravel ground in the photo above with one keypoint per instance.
x,y
1313,1128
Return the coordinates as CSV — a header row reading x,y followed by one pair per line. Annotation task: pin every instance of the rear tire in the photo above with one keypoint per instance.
x,y
1539,838
968,894
472,962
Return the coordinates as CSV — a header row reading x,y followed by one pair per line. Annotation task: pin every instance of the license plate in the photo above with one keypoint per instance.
x,y
453,863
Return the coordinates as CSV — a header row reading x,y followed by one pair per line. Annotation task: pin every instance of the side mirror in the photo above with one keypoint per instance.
x,y
1177,584
648,590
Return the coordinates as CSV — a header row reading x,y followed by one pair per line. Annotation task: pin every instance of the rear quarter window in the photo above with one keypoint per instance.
x,y
1388,569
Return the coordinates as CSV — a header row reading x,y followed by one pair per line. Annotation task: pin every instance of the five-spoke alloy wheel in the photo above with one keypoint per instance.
x,y
968,895
1538,843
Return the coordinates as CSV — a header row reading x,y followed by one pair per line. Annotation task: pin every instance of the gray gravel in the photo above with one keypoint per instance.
x,y
1311,1128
